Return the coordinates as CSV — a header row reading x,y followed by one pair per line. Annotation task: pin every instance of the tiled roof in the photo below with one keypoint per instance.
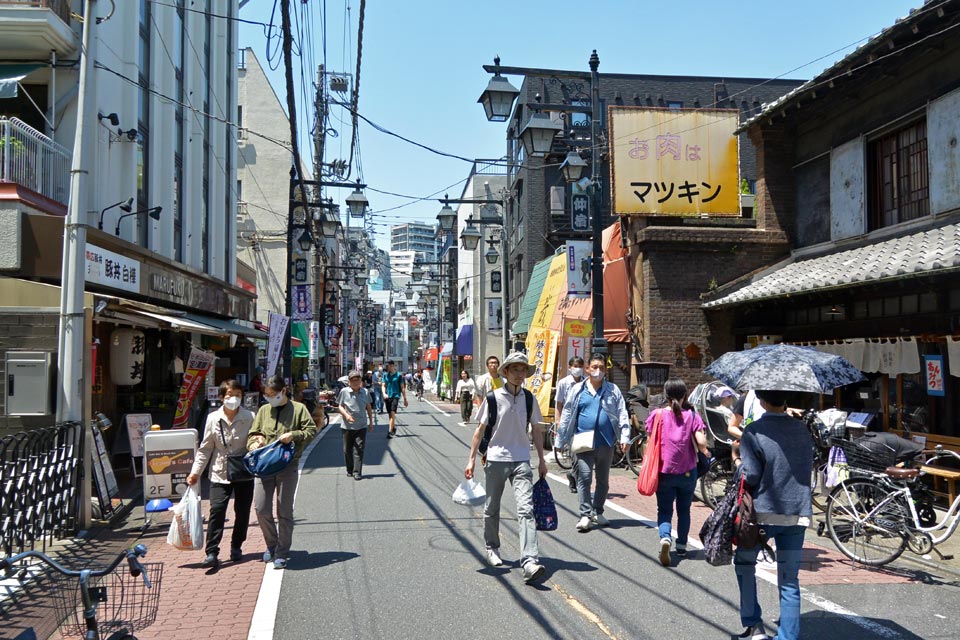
x,y
888,34
919,253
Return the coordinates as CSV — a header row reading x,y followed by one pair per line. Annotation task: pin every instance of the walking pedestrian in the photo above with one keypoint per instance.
x,y
490,380
680,430
356,407
466,392
378,390
225,434
285,420
595,406
393,389
574,375
777,462
508,459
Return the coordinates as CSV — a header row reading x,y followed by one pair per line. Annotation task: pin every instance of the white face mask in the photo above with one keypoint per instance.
x,y
232,403
576,372
275,401
596,374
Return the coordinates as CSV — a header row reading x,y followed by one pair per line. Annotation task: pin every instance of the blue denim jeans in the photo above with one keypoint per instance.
x,y
675,487
599,459
789,548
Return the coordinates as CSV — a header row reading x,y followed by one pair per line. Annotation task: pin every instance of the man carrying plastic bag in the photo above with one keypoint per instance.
x,y
186,530
470,493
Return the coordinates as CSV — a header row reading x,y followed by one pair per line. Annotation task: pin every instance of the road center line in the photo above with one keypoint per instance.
x,y
873,627
582,609
438,408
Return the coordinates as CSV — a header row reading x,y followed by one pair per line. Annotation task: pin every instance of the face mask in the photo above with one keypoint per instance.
x,y
576,372
232,403
596,374
275,401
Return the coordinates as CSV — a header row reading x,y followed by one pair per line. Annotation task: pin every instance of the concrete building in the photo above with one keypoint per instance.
x,y
415,236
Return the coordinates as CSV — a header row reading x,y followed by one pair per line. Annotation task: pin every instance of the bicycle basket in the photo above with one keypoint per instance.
x,y
129,603
872,458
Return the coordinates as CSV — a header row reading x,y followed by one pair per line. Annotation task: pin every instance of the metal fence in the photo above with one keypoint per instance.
x,y
39,487
34,161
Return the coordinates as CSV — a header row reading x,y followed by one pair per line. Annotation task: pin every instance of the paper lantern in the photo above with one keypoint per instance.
x,y
127,348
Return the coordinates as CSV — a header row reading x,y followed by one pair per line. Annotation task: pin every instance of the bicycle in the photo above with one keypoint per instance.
x,y
133,606
562,455
878,513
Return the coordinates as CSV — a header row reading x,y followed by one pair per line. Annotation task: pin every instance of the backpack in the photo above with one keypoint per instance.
x,y
716,534
492,419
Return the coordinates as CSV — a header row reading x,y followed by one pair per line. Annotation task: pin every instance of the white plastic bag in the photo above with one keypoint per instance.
x,y
837,468
186,530
470,493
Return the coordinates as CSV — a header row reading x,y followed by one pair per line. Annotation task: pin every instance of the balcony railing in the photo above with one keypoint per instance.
x,y
34,161
59,7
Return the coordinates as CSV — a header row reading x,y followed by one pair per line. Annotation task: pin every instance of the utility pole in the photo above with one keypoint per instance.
x,y
71,343
599,341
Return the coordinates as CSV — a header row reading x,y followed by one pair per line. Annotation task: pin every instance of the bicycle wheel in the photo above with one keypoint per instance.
x,y
563,457
619,457
867,522
635,452
717,481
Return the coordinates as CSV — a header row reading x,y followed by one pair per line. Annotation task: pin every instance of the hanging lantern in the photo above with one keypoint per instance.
x,y
127,348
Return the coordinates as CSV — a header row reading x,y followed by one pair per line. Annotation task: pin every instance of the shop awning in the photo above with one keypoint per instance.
x,y
229,327
465,340
929,252
301,331
532,296
181,324
11,74
447,349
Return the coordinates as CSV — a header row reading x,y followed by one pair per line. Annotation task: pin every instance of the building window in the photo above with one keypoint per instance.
x,y
898,180
674,104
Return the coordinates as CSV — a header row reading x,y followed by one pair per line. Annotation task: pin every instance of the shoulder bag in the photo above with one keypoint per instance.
x,y
703,462
236,469
649,477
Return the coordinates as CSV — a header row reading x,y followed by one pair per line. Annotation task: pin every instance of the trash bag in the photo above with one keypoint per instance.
x,y
186,530
544,508
470,493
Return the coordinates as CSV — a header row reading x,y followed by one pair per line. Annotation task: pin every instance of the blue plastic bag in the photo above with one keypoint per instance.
x,y
269,460
544,508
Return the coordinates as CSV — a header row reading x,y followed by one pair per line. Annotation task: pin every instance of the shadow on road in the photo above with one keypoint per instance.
x,y
304,561
819,624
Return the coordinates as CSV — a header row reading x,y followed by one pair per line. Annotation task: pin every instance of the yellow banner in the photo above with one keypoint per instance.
x,y
675,162
553,286
542,352
578,328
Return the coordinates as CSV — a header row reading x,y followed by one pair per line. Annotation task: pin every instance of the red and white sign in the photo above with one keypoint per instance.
x,y
196,372
576,348
413,321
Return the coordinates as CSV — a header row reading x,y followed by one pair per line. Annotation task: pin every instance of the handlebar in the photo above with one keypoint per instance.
x,y
132,555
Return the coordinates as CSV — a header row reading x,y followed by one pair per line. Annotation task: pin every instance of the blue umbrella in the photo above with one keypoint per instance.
x,y
784,367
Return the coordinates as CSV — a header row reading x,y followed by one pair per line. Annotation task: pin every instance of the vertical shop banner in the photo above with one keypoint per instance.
x,y
579,268
675,162
542,350
302,303
494,315
314,343
550,295
446,377
933,372
278,327
196,372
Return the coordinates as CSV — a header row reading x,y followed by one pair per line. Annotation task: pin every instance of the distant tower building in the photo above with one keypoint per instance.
x,y
415,236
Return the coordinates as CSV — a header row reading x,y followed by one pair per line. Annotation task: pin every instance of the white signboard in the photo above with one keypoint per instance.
x,y
579,268
278,327
112,270
577,348
168,458
137,425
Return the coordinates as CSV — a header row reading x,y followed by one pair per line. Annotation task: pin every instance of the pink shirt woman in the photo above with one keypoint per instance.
x,y
676,448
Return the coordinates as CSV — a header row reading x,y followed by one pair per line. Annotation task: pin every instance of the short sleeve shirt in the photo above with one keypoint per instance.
x,y
392,382
748,406
355,403
509,441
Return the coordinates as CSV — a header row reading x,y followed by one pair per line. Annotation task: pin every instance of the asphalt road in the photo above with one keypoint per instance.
x,y
392,556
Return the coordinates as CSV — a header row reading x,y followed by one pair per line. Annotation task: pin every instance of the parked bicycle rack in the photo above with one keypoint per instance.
x,y
39,486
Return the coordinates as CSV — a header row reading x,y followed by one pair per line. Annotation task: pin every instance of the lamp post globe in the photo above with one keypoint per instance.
x,y
538,134
470,237
447,217
573,167
305,241
497,99
357,203
491,255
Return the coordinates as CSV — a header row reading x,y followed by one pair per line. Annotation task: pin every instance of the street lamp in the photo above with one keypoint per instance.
x,y
433,288
408,293
573,166
497,99
153,212
447,217
470,237
538,134
492,255
305,241
125,205
416,273
357,203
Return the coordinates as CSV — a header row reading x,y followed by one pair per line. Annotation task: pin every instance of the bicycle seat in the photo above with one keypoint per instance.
x,y
898,473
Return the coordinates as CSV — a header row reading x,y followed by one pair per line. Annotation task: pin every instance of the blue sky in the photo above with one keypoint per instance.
x,y
421,66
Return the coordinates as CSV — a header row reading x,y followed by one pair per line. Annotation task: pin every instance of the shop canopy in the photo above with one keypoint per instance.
x,y
447,349
300,331
465,340
532,296
11,74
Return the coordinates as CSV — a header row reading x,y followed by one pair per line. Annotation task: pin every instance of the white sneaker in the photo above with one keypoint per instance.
x,y
584,525
665,551
532,571
493,557
600,520
756,632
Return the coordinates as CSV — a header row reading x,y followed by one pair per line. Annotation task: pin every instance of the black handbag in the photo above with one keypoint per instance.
x,y
236,469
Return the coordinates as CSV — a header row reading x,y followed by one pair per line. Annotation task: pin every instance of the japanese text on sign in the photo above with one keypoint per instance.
x,y
933,371
678,163
111,269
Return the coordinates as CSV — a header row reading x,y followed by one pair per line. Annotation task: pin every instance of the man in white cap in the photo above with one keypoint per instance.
x,y
505,447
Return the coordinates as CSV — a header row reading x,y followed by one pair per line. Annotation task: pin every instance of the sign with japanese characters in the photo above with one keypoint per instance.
x,y
302,303
577,348
542,350
112,270
194,375
675,162
580,212
933,372
552,288
579,268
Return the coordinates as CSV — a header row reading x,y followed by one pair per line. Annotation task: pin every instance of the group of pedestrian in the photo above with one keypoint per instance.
x,y
232,430
775,462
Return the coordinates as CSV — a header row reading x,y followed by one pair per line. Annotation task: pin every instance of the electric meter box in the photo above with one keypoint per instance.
x,y
29,388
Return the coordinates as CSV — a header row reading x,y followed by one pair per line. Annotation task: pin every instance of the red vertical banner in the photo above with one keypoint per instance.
x,y
193,376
